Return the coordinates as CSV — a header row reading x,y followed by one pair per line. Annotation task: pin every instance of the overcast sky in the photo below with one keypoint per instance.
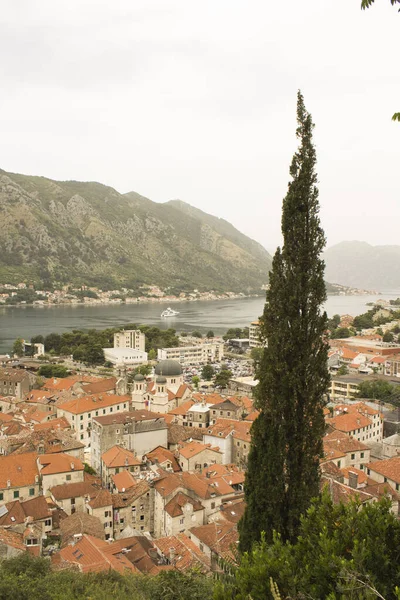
x,y
197,100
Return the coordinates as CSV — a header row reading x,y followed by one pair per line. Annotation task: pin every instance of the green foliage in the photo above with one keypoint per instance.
x,y
18,347
144,370
388,336
88,469
283,465
27,578
159,338
222,378
152,354
207,372
333,323
197,334
365,321
53,371
236,333
343,370
256,355
341,332
210,334
339,548
378,390
367,3
196,381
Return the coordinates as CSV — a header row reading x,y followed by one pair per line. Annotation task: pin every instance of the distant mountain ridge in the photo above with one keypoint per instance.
x,y
88,233
359,264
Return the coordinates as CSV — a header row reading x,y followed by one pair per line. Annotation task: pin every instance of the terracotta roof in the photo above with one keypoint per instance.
x,y
126,498
178,433
52,441
11,538
74,490
39,396
59,384
182,409
80,522
194,448
20,470
348,421
58,463
119,457
18,511
362,477
341,493
161,455
128,416
59,423
175,505
14,375
186,555
124,481
221,428
252,416
99,386
102,498
220,470
220,537
389,468
4,417
242,431
330,469
233,510
78,406
94,555
338,440
196,482
348,354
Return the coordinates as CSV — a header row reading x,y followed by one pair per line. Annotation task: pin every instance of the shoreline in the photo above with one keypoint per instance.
x,y
139,302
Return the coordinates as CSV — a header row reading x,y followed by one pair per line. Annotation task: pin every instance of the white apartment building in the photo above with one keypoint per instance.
x,y
254,335
130,338
125,356
201,354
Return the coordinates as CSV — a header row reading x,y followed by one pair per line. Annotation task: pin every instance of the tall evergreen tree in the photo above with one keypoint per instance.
x,y
283,466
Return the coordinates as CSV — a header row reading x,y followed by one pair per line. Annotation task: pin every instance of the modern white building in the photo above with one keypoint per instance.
x,y
130,338
125,356
254,335
201,354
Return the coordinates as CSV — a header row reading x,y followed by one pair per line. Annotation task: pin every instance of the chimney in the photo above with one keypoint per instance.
x,y
353,480
126,461
8,483
72,466
172,555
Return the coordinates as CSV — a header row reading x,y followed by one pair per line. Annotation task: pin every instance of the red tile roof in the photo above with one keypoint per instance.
x,y
175,506
20,470
78,406
58,463
119,457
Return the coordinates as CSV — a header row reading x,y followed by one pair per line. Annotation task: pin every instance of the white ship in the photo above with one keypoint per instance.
x,y
169,312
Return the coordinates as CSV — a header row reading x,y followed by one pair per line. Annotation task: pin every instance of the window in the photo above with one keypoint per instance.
x,y
111,408
142,518
107,513
353,456
124,405
97,413
339,463
16,494
81,427
31,491
68,477
81,436
1,495
362,455
181,521
104,411
212,504
31,542
81,417
72,501
133,508
118,407
142,528
47,522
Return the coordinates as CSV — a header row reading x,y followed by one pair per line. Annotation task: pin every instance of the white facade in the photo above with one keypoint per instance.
x,y
254,335
125,356
130,338
200,354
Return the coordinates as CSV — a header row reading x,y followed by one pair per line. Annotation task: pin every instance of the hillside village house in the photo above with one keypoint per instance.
x,y
386,471
72,497
115,460
360,421
56,469
14,382
345,451
19,477
195,456
79,412
101,507
134,510
225,410
138,431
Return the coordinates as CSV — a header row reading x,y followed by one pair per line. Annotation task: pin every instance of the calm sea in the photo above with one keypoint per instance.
x,y
217,315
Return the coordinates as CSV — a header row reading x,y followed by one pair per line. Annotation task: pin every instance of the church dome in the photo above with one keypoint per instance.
x,y
160,379
138,377
168,368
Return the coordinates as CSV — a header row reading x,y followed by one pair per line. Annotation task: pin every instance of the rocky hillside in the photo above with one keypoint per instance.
x,y
359,264
88,233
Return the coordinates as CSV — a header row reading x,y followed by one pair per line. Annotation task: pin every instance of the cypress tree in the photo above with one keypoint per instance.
x,y
283,466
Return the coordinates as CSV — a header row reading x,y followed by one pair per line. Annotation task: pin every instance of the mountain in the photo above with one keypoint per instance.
x,y
361,265
88,233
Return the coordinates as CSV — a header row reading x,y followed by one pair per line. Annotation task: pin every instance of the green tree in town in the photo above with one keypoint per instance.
x,y
207,372
222,378
18,347
197,334
283,465
152,354
377,389
210,334
343,370
388,336
196,381
343,552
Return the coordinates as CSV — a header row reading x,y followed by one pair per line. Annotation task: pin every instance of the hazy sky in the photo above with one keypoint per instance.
x,y
196,101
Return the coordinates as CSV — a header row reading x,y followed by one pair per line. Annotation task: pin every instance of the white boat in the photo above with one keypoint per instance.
x,y
169,312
